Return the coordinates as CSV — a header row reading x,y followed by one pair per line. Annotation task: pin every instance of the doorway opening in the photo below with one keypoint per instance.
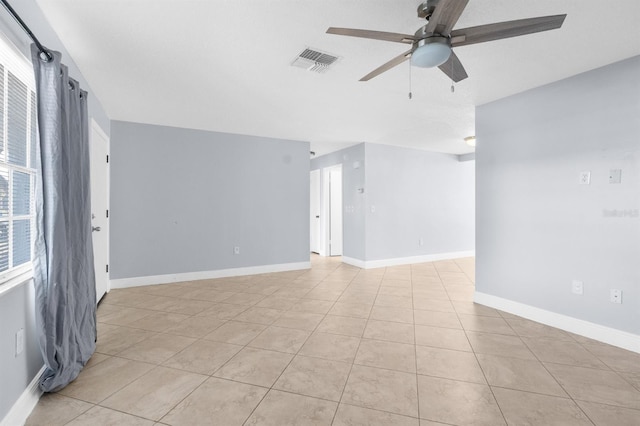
x,y
326,229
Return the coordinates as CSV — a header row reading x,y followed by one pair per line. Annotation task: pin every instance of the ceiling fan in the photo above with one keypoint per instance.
x,y
431,45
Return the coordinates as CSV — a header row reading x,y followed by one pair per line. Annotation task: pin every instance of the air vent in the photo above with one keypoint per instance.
x,y
314,60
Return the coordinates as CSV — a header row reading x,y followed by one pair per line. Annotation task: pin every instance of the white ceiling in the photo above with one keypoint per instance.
x,y
224,65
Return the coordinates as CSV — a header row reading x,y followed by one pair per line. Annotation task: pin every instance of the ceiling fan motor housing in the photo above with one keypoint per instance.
x,y
425,10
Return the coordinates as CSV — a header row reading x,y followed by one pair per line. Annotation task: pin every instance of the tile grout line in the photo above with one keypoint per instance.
x,y
356,352
197,387
276,380
290,361
476,357
551,374
415,346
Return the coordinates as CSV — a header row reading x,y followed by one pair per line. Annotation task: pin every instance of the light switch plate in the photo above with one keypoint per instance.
x,y
615,176
616,296
19,341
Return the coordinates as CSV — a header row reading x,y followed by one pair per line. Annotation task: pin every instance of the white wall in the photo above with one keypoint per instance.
x,y
537,227
182,199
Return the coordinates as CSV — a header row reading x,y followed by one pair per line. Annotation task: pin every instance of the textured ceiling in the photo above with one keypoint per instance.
x,y
224,65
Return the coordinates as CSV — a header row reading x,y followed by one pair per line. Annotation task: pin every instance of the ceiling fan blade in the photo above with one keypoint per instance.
x,y
500,30
454,68
445,16
376,35
387,66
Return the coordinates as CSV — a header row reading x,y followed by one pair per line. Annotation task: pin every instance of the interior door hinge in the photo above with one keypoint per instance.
x,y
107,158
107,212
107,268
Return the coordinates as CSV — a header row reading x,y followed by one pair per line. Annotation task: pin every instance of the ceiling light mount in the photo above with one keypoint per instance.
x,y
425,10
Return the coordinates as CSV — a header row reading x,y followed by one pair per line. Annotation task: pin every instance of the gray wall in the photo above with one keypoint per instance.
x,y
537,228
417,195
353,219
17,306
16,372
182,199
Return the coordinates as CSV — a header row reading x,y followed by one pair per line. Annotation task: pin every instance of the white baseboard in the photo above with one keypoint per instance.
x,y
611,336
355,262
382,263
25,404
205,275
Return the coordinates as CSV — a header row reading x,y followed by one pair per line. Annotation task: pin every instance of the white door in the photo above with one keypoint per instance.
x,y
99,143
335,211
315,211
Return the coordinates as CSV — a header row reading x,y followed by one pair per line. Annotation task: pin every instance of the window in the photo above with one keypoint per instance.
x,y
18,139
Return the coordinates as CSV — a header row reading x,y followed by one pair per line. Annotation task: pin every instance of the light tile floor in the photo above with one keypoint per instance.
x,y
336,345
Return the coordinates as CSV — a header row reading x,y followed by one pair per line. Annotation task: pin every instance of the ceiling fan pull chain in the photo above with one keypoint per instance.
x,y
453,89
410,94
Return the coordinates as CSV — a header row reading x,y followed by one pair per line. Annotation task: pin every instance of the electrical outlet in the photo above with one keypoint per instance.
x,y
577,287
236,250
19,341
585,178
615,295
420,242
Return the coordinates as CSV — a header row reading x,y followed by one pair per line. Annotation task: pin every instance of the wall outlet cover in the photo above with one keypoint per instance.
x,y
585,178
577,287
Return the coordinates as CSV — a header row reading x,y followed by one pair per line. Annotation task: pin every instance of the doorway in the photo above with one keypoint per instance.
x,y
326,211
99,148
331,208
314,211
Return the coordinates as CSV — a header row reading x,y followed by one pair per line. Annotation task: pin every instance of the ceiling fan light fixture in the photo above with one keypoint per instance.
x,y
431,52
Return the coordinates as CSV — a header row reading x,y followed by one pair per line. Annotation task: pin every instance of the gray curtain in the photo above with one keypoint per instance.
x,y
64,275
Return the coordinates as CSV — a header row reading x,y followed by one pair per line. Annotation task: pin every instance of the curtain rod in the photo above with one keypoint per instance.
x,y
44,53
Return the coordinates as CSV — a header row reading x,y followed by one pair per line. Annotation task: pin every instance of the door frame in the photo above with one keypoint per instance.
x,y
95,127
328,209
315,184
